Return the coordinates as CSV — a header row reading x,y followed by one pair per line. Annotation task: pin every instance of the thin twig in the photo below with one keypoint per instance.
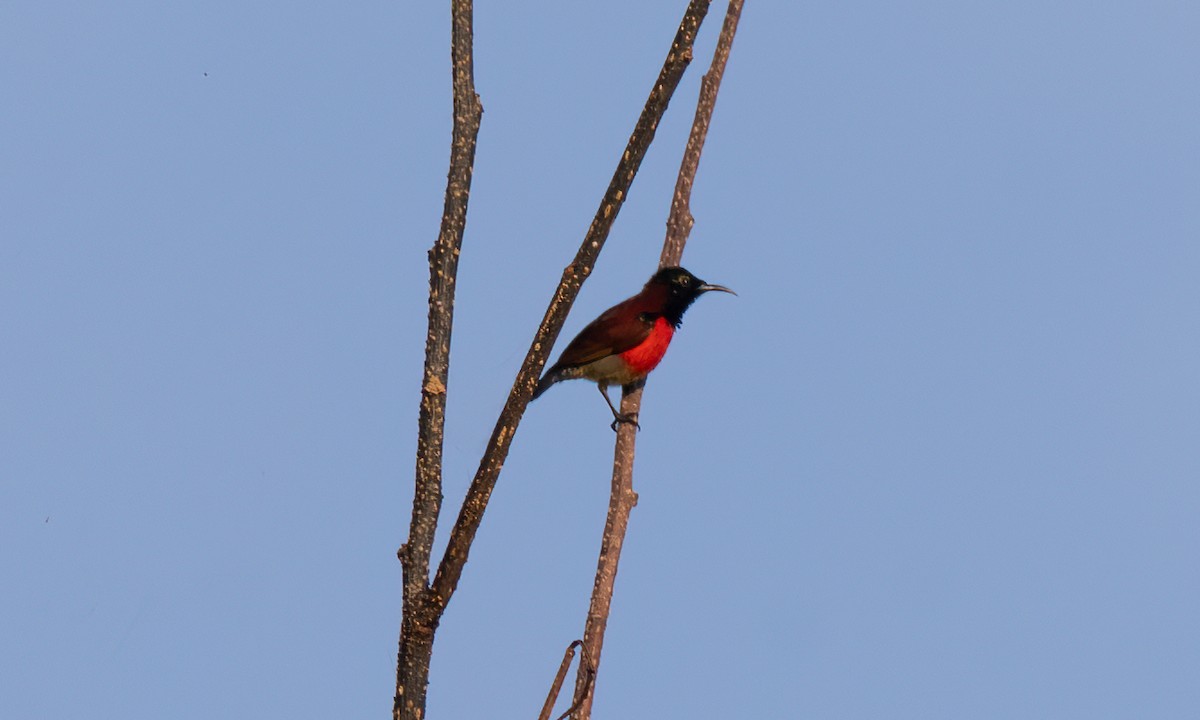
x,y
559,677
623,498
680,221
590,677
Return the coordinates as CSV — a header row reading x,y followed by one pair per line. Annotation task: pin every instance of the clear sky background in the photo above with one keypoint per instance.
x,y
939,459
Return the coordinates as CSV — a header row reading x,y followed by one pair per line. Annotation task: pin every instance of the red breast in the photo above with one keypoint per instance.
x,y
645,356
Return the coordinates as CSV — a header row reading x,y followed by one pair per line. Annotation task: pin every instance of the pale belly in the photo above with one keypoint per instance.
x,y
611,370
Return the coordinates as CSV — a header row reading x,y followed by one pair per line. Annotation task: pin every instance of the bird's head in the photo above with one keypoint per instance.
x,y
681,289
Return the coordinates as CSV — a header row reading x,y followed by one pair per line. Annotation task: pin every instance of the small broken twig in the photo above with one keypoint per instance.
x,y
559,677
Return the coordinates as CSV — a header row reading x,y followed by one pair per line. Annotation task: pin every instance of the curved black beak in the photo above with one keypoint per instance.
x,y
705,287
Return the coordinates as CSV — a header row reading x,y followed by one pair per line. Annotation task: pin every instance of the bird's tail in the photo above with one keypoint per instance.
x,y
552,376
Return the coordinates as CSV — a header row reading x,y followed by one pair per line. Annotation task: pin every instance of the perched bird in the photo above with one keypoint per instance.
x,y
629,339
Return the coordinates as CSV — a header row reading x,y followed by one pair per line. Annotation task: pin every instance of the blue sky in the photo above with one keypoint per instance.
x,y
937,460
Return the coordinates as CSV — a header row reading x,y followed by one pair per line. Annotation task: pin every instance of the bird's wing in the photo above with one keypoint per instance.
x,y
607,336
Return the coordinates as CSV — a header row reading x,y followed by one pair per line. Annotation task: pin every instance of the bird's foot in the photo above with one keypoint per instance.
x,y
631,419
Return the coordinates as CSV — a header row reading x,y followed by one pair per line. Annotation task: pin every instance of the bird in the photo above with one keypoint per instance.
x,y
629,339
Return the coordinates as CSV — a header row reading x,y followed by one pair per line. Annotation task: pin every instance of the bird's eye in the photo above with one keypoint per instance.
x,y
683,280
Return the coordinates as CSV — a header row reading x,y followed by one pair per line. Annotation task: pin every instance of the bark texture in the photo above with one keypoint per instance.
x,y
421,610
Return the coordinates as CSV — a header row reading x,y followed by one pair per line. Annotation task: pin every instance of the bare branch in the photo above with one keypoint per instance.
x,y
621,502
420,617
623,498
680,221
471,514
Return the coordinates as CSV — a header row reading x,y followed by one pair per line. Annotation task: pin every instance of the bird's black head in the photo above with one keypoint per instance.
x,y
682,288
